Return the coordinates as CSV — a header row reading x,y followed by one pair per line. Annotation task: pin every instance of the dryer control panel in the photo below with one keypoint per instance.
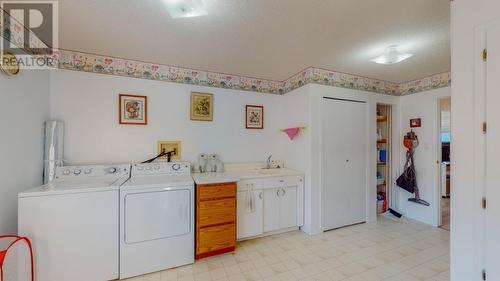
x,y
92,171
161,168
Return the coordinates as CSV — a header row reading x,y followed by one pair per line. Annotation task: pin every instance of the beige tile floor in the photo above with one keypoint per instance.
x,y
386,250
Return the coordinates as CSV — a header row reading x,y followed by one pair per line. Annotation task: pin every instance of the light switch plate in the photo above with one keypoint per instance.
x,y
170,146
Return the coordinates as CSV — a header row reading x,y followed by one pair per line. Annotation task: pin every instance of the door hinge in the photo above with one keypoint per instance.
x,y
484,274
483,203
485,127
485,55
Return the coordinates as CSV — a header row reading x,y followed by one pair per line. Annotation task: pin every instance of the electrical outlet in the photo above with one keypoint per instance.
x,y
166,146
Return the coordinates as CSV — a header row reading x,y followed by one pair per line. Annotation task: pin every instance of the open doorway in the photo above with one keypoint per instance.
x,y
445,161
384,157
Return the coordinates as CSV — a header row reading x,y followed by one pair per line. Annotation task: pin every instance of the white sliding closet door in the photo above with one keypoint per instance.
x,y
345,158
492,212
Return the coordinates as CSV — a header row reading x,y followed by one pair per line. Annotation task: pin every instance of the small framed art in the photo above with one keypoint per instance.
x,y
254,117
202,106
133,109
416,123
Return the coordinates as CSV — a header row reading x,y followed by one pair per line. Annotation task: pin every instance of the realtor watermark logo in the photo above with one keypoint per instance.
x,y
30,32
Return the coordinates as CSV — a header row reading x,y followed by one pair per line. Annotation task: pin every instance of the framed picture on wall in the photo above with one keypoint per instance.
x,y
416,123
254,117
133,109
202,106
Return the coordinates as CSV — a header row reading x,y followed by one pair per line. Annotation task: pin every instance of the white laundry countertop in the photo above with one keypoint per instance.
x,y
235,176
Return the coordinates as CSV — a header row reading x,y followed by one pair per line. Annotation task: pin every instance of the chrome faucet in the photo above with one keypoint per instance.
x,y
268,162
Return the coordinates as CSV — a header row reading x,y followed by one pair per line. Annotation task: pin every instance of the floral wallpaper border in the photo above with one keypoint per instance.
x,y
79,61
435,81
71,60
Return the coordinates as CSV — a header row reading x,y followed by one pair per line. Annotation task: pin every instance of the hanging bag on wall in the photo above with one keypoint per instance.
x,y
407,180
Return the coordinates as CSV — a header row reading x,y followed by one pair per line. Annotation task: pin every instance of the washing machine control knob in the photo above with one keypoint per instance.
x,y
66,172
176,167
148,167
157,167
77,171
88,171
112,170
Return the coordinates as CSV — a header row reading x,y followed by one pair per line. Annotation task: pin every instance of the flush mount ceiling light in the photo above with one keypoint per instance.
x,y
185,8
391,55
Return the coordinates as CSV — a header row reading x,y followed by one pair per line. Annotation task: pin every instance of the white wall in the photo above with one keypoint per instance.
x,y
466,236
295,111
423,105
88,104
25,107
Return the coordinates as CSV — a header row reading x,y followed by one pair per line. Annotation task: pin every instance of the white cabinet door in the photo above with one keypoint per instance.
x,y
250,216
271,209
288,207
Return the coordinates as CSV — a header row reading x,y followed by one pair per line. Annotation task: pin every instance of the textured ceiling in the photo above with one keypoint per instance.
x,y
270,39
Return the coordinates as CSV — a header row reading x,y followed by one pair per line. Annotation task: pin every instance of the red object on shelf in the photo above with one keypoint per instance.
x,y
3,253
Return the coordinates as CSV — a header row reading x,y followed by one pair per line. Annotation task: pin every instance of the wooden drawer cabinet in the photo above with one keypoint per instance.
x,y
216,238
216,212
216,191
215,219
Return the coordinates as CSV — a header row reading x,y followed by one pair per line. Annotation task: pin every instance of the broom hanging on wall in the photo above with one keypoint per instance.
x,y
408,180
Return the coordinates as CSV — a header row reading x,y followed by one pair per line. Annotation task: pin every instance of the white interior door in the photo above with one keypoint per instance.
x,y
492,212
344,174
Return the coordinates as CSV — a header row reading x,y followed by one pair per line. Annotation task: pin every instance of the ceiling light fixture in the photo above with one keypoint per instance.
x,y
185,8
391,55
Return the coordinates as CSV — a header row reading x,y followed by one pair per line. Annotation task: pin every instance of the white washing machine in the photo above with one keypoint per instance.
x,y
73,223
156,218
